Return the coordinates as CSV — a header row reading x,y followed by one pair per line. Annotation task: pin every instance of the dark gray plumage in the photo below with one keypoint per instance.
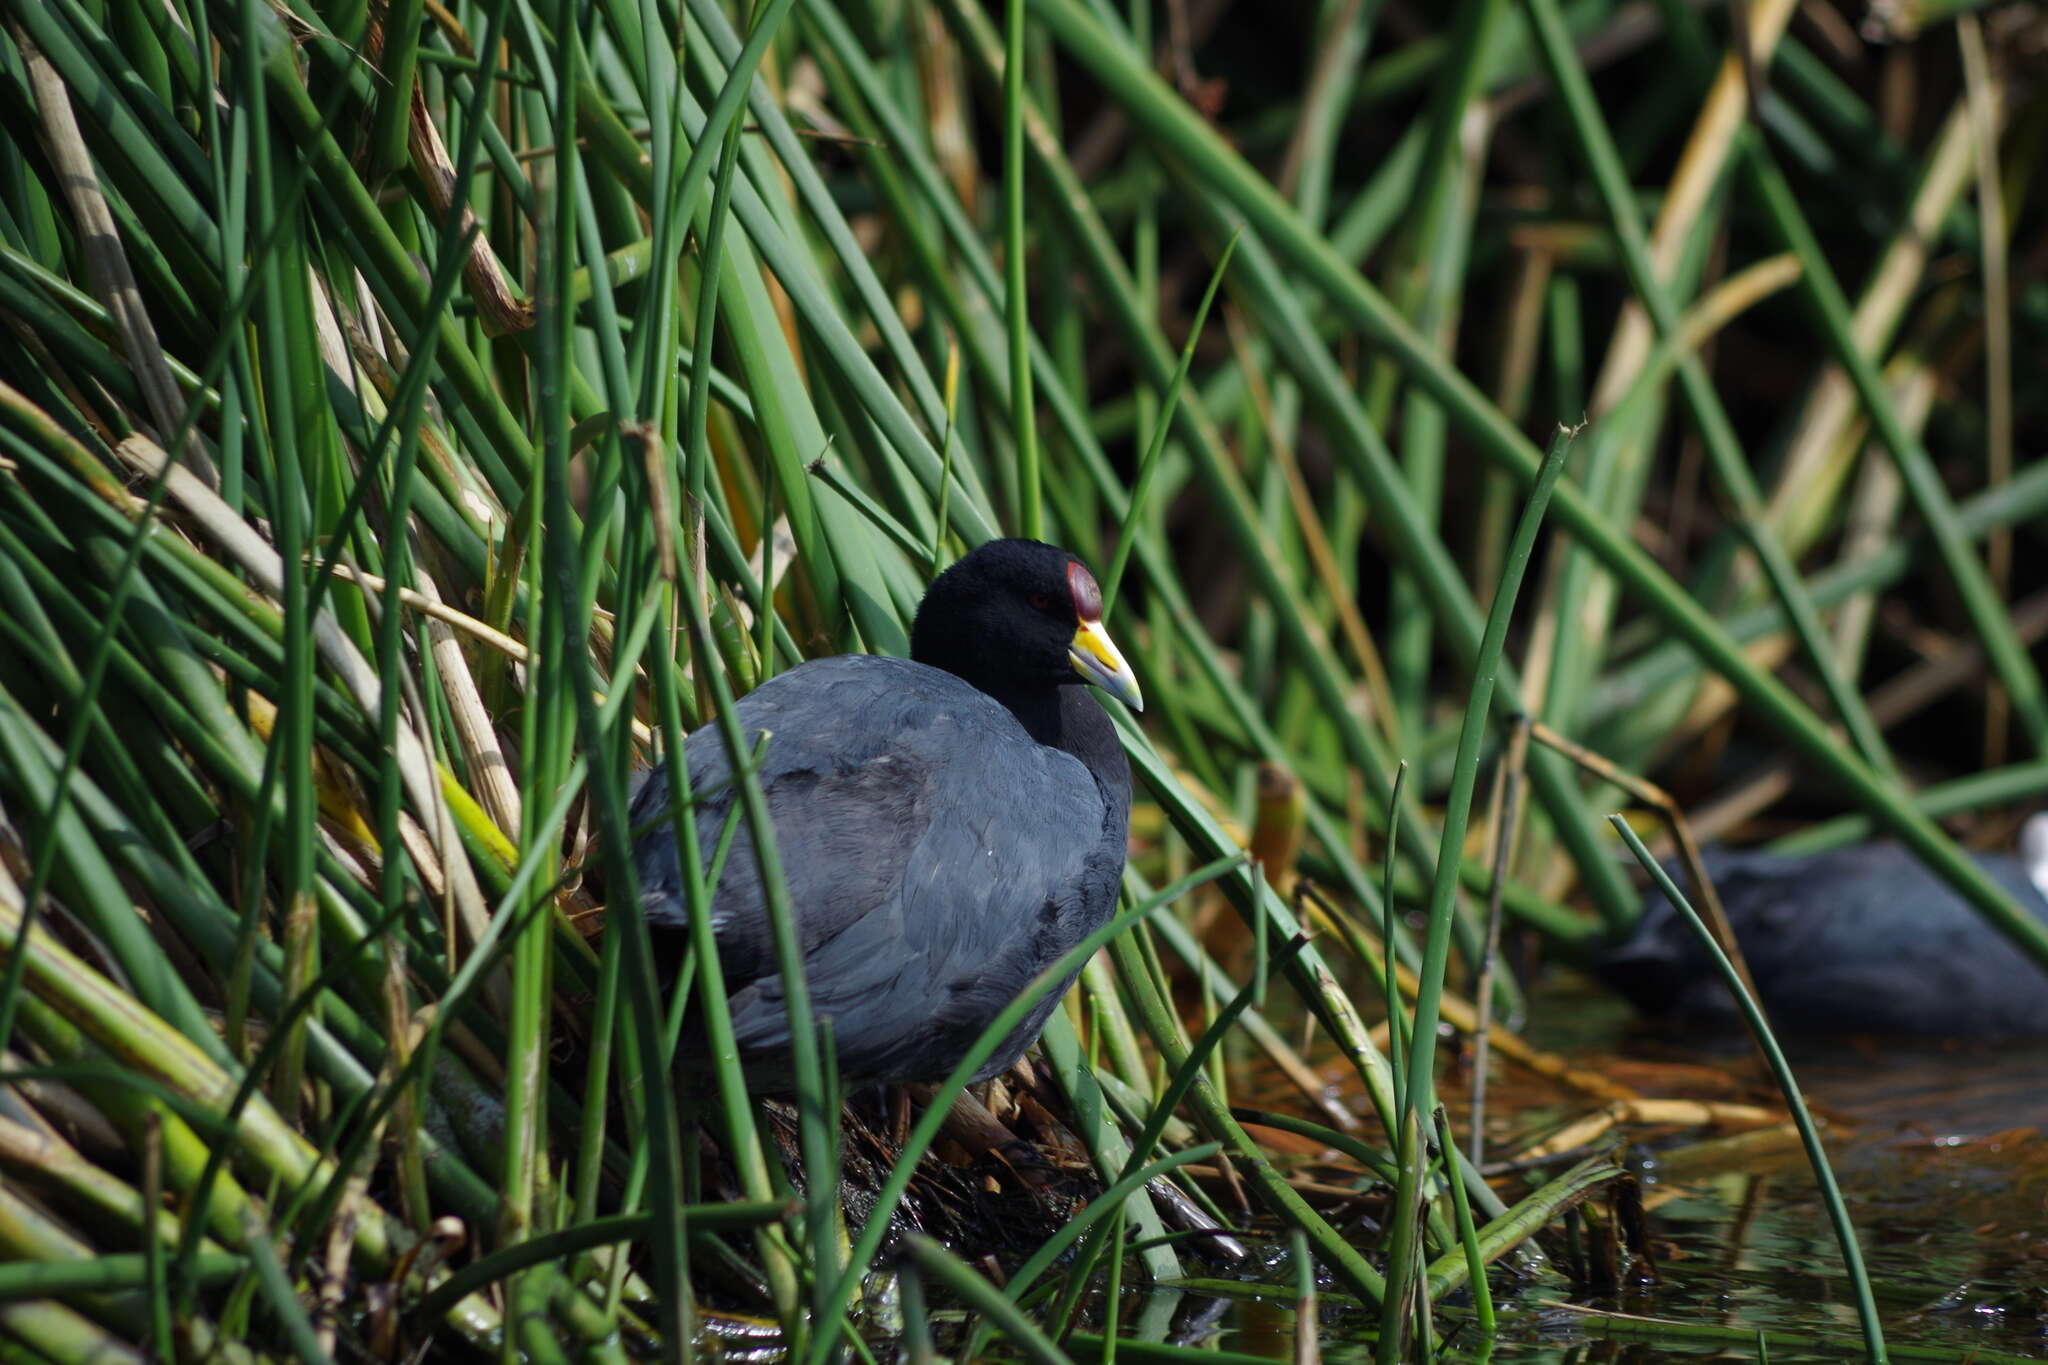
x,y
944,838
1860,940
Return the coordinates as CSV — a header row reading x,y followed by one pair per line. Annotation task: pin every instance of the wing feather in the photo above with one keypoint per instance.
x,y
929,845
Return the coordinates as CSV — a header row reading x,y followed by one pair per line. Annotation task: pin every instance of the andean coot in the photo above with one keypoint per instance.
x,y
948,824
1859,940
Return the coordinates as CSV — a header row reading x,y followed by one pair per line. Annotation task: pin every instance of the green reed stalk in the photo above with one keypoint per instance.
x,y
1464,774
1428,270
1148,467
1788,1086
1016,294
1468,1235
1398,1030
1419,1094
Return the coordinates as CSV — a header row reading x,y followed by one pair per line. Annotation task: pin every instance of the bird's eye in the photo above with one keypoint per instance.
x,y
1040,601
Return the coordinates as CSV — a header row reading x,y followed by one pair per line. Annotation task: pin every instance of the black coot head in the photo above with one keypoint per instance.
x,y
1020,616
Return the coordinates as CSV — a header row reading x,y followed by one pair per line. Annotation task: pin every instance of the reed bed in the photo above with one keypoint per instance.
x,y
416,417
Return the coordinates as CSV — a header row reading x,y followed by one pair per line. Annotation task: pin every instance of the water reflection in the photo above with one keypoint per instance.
x,y
1941,1155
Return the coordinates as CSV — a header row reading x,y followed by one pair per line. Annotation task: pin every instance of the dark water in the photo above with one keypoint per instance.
x,y
1946,1178
1942,1156
1951,1216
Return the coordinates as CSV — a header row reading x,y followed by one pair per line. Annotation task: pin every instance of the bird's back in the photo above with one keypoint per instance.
x,y
1855,940
936,858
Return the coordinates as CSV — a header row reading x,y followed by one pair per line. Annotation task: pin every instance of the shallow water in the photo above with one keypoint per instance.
x,y
1954,1232
1942,1156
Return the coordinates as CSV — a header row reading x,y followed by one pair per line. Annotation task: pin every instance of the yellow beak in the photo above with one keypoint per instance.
x,y
1096,658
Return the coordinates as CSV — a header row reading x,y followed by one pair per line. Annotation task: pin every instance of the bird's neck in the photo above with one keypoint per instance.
x,y
1069,719
1040,710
